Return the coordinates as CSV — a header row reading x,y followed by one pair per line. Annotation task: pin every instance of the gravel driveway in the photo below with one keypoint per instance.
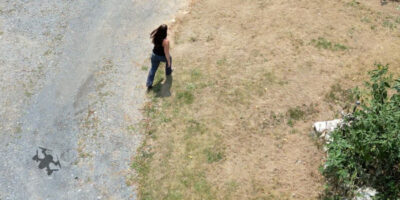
x,y
71,85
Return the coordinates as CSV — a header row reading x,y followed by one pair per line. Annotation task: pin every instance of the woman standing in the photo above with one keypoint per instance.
x,y
160,53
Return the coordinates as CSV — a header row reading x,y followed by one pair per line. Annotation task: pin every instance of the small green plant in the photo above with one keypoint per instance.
x,y
365,20
366,150
185,96
326,44
300,113
144,68
338,47
131,128
48,52
195,74
338,95
269,77
389,24
213,155
194,128
353,3
296,113
192,39
322,43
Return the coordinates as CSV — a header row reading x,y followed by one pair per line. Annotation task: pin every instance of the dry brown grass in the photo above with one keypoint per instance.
x,y
251,76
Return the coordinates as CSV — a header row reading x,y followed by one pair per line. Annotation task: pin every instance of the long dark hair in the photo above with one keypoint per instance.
x,y
159,34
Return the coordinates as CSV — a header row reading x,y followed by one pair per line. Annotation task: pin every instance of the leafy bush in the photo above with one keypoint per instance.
x,y
366,150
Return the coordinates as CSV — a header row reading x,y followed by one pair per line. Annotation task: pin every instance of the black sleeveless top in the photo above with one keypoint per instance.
x,y
158,50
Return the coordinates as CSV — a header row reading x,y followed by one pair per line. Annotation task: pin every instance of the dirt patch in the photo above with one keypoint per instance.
x,y
251,77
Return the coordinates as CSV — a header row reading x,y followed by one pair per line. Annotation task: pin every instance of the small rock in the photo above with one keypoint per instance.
x,y
365,193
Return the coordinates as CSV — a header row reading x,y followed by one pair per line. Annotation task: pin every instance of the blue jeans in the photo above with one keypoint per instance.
x,y
155,62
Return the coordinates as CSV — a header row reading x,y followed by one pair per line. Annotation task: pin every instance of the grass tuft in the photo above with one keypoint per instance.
x,y
326,44
213,155
185,96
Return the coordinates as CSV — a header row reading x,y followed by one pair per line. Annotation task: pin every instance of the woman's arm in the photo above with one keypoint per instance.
x,y
166,51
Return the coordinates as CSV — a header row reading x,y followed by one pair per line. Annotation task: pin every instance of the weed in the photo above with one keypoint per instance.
x,y
269,77
340,47
365,20
185,96
192,39
144,68
131,128
293,131
290,123
195,74
389,24
326,44
28,93
322,43
353,3
296,113
174,195
59,37
140,167
197,182
300,113
195,127
141,164
213,155
48,52
337,94
274,119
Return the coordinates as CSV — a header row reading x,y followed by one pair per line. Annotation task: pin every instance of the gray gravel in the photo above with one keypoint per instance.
x,y
70,82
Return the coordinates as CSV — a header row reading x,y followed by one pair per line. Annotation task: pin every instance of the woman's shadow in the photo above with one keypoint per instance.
x,y
163,89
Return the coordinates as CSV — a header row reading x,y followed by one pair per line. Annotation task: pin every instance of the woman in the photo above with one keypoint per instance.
x,y
160,53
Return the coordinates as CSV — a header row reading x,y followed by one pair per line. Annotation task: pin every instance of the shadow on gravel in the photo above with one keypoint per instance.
x,y
163,89
46,161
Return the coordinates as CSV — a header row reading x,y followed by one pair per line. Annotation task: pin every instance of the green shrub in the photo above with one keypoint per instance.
x,y
366,151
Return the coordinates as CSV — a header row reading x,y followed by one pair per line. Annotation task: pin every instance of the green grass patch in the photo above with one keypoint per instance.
x,y
296,113
213,155
144,68
365,20
389,24
195,127
338,95
196,182
353,3
300,113
185,96
322,43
